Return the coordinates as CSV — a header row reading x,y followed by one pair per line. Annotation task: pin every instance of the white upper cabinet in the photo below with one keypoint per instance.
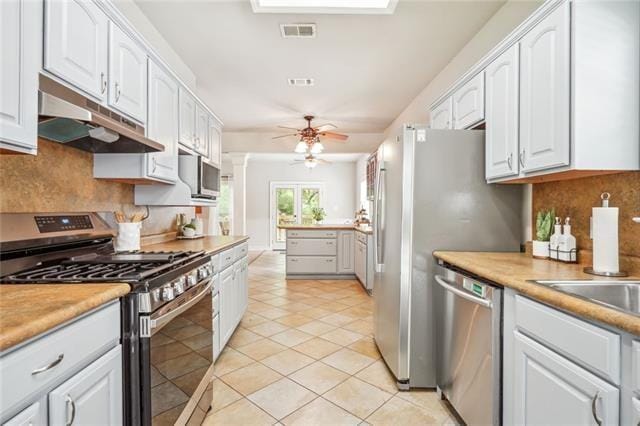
x,y
202,131
501,98
545,93
20,43
127,75
215,141
162,124
442,115
468,103
75,44
187,119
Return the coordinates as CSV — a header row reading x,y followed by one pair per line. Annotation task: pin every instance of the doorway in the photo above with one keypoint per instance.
x,y
291,204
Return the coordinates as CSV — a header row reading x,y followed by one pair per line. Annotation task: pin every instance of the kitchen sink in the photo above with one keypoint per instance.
x,y
620,295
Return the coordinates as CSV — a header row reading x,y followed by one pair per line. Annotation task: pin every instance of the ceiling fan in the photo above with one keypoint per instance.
x,y
310,136
310,161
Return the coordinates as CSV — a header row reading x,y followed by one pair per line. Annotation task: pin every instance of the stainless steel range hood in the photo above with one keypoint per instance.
x,y
72,119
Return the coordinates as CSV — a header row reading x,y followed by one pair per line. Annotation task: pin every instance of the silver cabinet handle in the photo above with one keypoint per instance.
x,y
293,243
594,408
480,301
71,403
103,83
510,161
155,163
48,366
329,243
522,158
329,260
293,260
117,92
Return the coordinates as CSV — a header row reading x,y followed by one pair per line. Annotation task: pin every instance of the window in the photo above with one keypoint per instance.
x,y
225,204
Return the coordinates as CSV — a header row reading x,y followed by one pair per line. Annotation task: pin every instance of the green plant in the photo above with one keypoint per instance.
x,y
318,213
544,224
190,225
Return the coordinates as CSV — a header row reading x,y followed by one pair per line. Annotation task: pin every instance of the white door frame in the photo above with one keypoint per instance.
x,y
296,185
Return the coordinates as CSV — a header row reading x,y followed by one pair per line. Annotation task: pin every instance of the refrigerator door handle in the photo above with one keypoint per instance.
x,y
379,228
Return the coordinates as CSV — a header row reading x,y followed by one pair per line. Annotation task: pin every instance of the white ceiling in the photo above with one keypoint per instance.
x,y
290,157
367,68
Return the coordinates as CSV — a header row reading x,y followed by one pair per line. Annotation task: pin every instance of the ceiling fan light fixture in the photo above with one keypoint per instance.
x,y
310,163
317,148
301,148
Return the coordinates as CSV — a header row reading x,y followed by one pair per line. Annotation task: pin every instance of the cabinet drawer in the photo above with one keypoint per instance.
x,y
226,259
74,345
304,233
215,264
362,237
311,265
584,343
309,247
240,251
215,305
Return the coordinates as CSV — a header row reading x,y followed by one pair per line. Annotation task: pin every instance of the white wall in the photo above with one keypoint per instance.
x,y
339,182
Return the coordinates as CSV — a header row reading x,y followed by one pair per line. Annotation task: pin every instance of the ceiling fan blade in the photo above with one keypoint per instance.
x,y
288,128
325,127
320,160
284,136
336,136
297,163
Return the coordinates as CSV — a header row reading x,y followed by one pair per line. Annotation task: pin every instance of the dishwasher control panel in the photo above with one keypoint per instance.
x,y
478,289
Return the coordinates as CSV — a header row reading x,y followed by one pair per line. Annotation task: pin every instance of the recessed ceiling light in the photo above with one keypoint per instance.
x,y
301,81
325,6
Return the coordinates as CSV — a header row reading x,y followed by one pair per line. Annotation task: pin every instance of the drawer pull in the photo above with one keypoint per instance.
x,y
293,243
329,243
48,366
329,260
594,408
294,260
72,404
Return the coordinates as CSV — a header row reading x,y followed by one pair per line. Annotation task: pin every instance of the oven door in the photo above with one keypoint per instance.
x,y
209,175
177,359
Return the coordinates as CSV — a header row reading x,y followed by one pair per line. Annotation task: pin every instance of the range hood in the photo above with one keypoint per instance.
x,y
70,118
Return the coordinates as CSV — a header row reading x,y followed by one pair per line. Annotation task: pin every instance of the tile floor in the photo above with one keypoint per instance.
x,y
303,354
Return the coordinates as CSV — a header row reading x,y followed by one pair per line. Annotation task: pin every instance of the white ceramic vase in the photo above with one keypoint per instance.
x,y
128,236
541,249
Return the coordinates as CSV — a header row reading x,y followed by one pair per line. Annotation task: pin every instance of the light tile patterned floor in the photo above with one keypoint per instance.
x,y
304,355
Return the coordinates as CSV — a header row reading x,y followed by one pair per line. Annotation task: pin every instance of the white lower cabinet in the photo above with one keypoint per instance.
x,y
93,396
360,261
346,247
311,265
35,414
216,337
551,390
226,305
233,296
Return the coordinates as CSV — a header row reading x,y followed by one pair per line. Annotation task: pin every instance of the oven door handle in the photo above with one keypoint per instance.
x,y
164,319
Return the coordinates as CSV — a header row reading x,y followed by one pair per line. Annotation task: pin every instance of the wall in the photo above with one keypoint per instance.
x,y
576,197
339,180
60,179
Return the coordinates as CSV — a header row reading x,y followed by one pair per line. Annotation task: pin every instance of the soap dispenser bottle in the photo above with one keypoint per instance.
x,y
568,253
554,240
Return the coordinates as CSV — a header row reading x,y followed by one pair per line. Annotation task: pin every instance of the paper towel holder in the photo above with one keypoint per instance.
x,y
591,271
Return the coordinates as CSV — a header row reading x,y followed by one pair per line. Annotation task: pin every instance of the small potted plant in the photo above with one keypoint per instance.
x,y
318,214
544,224
189,230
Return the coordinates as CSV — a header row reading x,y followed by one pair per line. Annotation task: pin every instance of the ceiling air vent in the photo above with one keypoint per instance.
x,y
300,81
298,30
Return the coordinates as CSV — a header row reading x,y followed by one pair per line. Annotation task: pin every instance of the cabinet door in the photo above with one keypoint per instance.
x,y
346,247
468,103
442,115
544,93
215,141
226,306
35,414
359,261
551,390
20,40
162,124
202,131
501,115
93,396
75,44
187,119
127,75
216,337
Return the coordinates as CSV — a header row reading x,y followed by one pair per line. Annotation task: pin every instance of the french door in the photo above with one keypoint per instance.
x,y
291,204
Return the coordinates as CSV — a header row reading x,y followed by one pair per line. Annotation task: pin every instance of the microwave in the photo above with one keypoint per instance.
x,y
201,176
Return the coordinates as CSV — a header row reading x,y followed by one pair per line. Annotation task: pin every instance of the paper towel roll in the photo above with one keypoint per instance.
x,y
605,239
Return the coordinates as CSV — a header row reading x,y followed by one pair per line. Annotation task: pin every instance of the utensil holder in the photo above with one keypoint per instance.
x,y
128,236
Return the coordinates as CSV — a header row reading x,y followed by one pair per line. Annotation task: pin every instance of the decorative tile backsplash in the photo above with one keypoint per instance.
x,y
576,197
60,179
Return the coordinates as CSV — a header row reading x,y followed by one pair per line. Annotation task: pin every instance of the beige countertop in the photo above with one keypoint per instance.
x,y
210,244
338,226
515,270
32,309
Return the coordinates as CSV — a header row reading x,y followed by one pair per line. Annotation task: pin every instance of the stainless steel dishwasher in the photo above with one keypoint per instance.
x,y
468,321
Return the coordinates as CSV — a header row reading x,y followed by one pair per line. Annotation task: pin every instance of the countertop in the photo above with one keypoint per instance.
x,y
210,244
338,226
514,270
32,309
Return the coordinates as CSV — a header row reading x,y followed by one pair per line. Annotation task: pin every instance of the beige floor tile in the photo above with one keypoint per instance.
x,y
230,360
258,307
282,398
242,337
317,348
287,362
319,377
251,378
249,320
276,301
316,313
397,411
348,361
294,320
341,337
274,313
296,307
240,413
268,328
379,375
360,326
223,395
333,306
337,319
353,300
428,400
261,349
357,397
316,328
261,296
291,337
321,412
366,346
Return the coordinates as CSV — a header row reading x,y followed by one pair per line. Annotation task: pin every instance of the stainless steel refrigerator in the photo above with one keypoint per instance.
x,y
430,195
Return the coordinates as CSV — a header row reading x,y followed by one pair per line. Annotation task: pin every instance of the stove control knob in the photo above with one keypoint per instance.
x,y
182,281
202,272
192,279
178,287
167,293
155,295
